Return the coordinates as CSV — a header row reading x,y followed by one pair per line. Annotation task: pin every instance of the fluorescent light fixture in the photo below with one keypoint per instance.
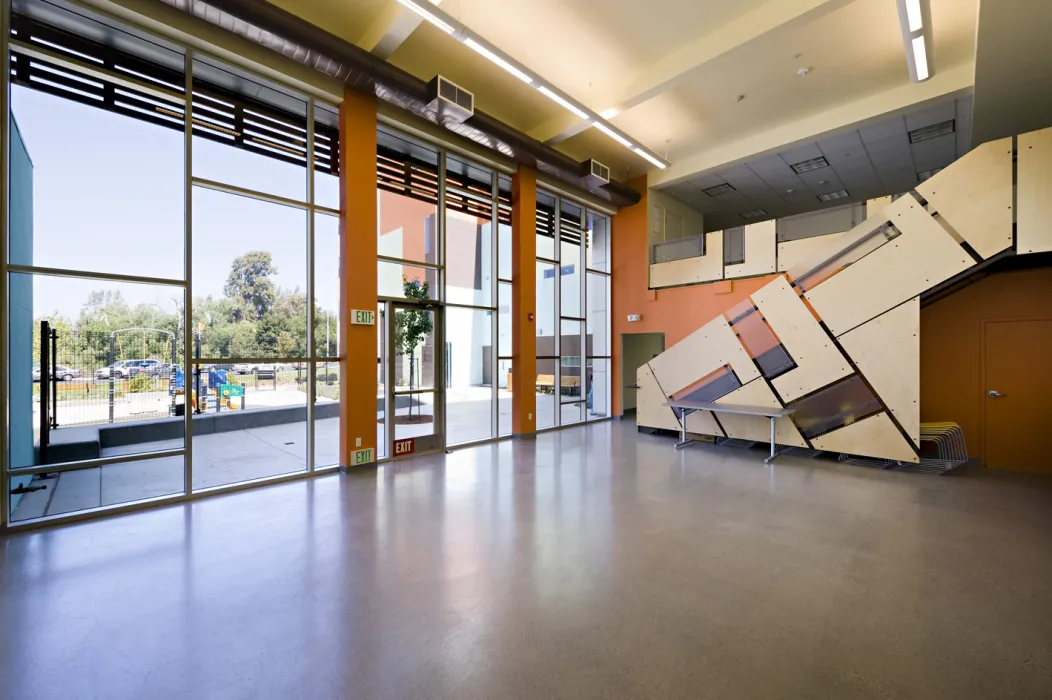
x,y
563,101
913,15
483,51
920,58
649,157
610,113
423,12
612,134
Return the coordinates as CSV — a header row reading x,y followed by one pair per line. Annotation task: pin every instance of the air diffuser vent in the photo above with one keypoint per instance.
x,y
926,133
717,190
449,100
839,194
806,166
598,173
754,214
928,174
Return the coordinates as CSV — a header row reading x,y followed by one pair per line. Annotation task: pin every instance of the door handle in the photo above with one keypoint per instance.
x,y
995,394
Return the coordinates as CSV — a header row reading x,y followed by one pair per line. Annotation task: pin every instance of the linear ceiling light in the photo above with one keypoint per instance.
x,y
915,20
577,111
506,65
450,26
428,15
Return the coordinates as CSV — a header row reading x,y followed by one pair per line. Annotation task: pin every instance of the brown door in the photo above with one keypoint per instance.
x,y
1018,395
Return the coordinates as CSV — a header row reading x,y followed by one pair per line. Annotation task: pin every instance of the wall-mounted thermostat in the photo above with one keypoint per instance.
x,y
633,318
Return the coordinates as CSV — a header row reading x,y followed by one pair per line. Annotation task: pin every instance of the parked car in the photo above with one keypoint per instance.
x,y
245,368
61,372
120,369
161,369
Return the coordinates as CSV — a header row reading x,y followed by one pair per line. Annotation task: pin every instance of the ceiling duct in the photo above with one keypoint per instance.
x,y
269,26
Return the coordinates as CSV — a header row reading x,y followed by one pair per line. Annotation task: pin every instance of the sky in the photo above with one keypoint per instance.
x,y
108,197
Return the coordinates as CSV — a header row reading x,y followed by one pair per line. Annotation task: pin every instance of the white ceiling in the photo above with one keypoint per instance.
x,y
672,67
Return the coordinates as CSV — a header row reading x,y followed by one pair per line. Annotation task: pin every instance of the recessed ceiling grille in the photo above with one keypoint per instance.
x,y
829,197
753,214
928,174
806,166
717,190
934,131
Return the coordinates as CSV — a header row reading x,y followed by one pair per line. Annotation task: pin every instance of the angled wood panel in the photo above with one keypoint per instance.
x,y
704,268
875,436
1034,192
974,195
887,353
922,257
761,243
818,362
700,353
702,423
792,253
758,428
650,409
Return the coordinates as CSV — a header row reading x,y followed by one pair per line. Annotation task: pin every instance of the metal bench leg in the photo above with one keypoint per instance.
x,y
683,441
771,458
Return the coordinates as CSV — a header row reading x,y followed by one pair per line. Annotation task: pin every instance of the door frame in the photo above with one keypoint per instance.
x,y
436,442
621,343
983,323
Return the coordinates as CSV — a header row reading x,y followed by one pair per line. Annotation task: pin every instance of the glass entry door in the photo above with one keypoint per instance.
x,y
415,380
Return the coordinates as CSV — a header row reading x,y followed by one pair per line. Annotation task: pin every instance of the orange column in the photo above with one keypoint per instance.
x,y
524,302
358,276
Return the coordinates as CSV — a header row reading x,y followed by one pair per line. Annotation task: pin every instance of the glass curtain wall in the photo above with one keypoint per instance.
x,y
160,279
573,312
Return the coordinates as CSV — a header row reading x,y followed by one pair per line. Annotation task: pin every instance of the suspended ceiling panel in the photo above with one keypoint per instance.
x,y
702,352
975,196
1034,197
757,394
875,436
887,353
922,257
818,362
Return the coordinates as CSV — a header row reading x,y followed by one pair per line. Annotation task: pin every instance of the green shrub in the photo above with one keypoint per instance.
x,y
139,384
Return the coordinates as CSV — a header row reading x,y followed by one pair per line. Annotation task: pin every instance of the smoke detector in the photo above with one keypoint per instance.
x,y
803,71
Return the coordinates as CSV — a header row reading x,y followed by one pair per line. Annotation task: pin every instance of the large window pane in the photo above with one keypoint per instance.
x,y
571,360
414,359
469,369
505,385
469,263
545,226
504,252
381,380
598,242
407,228
249,277
570,279
258,144
250,422
326,285
547,397
504,347
598,383
572,413
598,315
102,192
326,145
326,414
546,281
119,348
406,281
43,495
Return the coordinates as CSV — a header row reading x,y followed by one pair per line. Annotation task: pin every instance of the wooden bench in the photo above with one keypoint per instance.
x,y
685,408
549,380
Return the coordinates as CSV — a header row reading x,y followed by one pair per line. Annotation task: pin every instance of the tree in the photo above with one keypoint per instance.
x,y
249,285
412,326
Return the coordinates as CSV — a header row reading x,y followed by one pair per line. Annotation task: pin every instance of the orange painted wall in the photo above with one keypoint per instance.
x,y
674,312
952,344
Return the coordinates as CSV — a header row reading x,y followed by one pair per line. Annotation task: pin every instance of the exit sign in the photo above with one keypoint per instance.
x,y
363,318
404,447
363,456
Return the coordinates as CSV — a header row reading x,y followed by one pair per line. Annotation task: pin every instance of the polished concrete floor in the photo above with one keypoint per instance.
x,y
592,563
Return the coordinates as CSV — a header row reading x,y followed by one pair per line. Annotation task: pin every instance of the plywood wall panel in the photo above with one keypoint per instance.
x,y
1034,192
704,268
922,257
974,195
757,428
651,411
818,361
704,351
887,353
875,436
761,243
792,253
702,423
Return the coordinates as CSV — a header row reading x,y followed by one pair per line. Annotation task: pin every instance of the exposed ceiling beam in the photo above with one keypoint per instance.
x,y
676,67
955,81
390,30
